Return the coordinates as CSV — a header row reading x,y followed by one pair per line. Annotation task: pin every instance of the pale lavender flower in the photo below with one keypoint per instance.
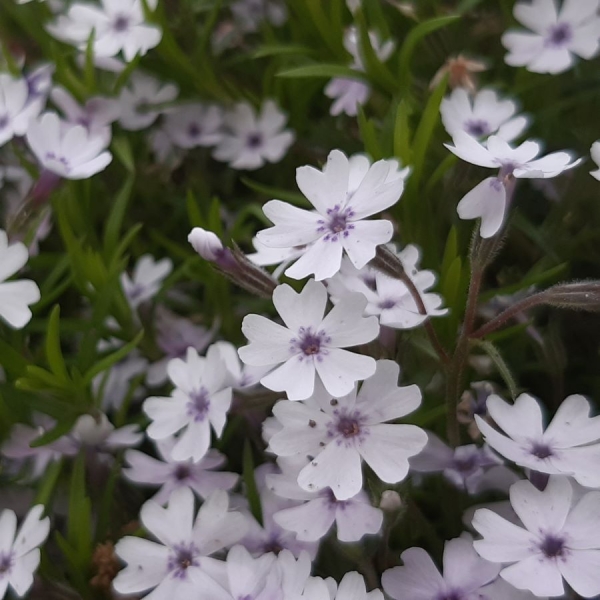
x,y
311,345
252,578
16,111
146,280
194,124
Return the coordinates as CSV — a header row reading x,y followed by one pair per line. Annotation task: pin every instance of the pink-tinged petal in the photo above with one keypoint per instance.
x,y
521,420
542,511
322,259
293,226
583,523
147,565
486,201
269,342
337,467
470,150
464,568
502,540
418,579
295,377
572,424
345,325
387,448
355,518
582,572
538,575
171,525
326,188
362,241
310,522
538,15
304,309
522,47
340,369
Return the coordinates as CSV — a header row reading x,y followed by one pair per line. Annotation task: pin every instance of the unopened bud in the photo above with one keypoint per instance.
x,y
390,501
210,248
584,295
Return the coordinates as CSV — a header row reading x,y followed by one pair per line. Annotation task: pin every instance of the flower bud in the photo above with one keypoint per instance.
x,y
390,501
205,243
581,295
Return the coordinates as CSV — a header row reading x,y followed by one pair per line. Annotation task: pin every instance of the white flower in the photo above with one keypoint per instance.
x,y
118,25
194,124
19,552
97,432
595,151
560,538
351,93
95,115
249,140
15,296
340,432
147,279
389,298
343,194
68,150
310,345
143,99
180,563
312,520
568,446
351,587
557,35
487,200
241,377
481,116
200,400
172,474
466,576
252,578
16,111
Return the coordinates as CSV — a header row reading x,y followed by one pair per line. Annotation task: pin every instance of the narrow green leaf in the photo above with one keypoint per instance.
x,y
322,70
47,484
54,354
193,211
89,71
281,49
122,149
62,428
112,231
12,362
402,133
500,364
369,135
273,192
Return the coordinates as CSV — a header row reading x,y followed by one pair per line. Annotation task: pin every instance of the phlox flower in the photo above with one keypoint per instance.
x,y
560,538
194,124
488,200
19,552
250,139
314,518
343,194
482,115
65,149
569,445
348,94
180,563
339,432
146,280
351,587
199,401
15,296
172,474
311,345
252,578
556,36
97,433
15,109
118,26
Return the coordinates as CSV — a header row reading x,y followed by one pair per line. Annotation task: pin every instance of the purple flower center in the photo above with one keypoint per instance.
x,y
466,464
552,546
387,304
451,595
185,556
182,472
273,545
540,450
6,563
254,140
477,127
370,281
3,121
121,23
337,223
346,426
559,35
198,405
309,343
194,130
51,156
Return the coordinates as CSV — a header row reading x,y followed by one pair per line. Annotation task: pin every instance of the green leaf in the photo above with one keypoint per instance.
x,y
108,361
322,70
54,354
12,362
193,211
79,522
89,71
281,49
112,231
47,484
411,42
250,483
368,135
500,364
402,133
272,192
122,149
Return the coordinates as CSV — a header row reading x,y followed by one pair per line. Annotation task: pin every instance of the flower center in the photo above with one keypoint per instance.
x,y
198,405
541,451
52,157
254,140
450,595
182,472
552,546
466,464
348,427
387,304
477,128
559,35
309,343
6,564
194,130
121,23
336,223
3,121
273,545
185,556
